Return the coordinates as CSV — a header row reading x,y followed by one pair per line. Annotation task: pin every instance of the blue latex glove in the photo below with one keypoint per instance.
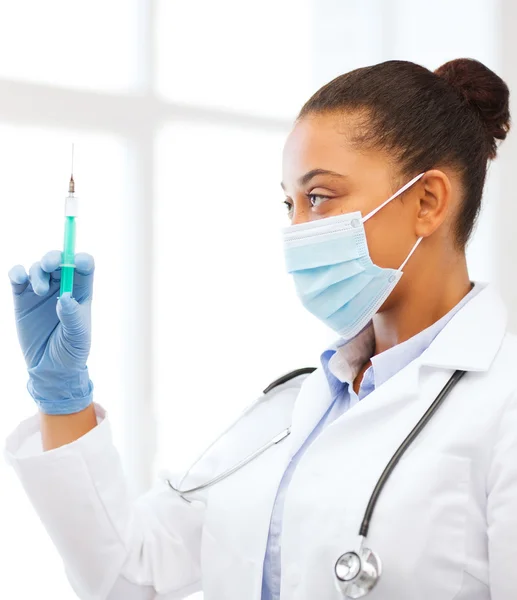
x,y
55,337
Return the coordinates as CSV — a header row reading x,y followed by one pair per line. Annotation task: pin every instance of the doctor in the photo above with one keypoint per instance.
x,y
383,174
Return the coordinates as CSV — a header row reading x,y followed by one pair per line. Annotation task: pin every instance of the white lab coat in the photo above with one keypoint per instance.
x,y
445,525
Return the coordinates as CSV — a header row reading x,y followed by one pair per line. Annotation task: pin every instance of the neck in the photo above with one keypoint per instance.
x,y
426,295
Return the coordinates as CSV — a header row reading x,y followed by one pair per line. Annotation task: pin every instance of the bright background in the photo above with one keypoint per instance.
x,y
178,111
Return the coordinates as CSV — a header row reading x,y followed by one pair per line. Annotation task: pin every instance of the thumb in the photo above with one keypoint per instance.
x,y
68,312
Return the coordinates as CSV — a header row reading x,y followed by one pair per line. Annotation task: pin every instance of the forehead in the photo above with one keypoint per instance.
x,y
325,142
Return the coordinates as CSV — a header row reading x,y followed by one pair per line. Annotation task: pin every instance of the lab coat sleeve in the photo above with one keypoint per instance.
x,y
112,548
502,506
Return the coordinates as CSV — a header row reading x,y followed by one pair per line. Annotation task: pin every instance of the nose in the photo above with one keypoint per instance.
x,y
300,215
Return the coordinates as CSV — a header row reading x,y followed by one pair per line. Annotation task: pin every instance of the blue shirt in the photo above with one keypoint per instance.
x,y
341,364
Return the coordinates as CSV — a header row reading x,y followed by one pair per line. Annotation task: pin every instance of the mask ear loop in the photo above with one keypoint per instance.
x,y
410,254
402,189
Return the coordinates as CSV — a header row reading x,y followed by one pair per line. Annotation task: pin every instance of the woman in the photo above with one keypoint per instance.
x,y
383,174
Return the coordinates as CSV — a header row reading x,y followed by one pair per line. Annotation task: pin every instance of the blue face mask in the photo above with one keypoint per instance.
x,y
333,273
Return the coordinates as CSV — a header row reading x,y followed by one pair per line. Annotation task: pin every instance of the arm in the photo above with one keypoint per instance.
x,y
502,506
58,430
113,548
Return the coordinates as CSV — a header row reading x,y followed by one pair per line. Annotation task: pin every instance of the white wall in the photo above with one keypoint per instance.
x,y
504,239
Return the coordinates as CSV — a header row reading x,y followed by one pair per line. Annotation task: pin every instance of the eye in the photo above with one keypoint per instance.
x,y
289,206
316,199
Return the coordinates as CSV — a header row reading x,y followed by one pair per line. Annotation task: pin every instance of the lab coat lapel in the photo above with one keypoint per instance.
x,y
383,400
313,400
456,347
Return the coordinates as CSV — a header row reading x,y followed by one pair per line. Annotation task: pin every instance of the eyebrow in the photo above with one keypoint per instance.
x,y
304,179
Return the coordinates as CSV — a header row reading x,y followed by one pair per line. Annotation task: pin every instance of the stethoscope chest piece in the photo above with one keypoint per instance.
x,y
357,572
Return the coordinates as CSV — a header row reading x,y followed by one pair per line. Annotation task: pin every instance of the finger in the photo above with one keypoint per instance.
x,y
84,264
39,279
18,278
83,276
70,314
51,263
67,307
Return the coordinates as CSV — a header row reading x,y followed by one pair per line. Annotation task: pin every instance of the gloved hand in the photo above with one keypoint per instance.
x,y
55,337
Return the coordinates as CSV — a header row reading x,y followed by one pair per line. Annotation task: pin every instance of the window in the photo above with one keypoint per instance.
x,y
83,45
223,305
177,164
178,111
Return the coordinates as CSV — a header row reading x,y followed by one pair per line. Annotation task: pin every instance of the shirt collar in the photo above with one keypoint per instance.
x,y
349,358
342,361
389,362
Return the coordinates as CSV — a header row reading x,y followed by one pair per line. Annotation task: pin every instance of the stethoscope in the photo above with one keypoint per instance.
x,y
357,571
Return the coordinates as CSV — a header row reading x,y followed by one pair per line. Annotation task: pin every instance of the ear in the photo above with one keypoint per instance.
x,y
434,201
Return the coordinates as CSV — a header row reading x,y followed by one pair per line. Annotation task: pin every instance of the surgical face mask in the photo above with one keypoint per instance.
x,y
333,273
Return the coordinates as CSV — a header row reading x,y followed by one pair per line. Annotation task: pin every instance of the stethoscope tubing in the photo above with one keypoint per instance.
x,y
365,524
365,578
277,439
456,376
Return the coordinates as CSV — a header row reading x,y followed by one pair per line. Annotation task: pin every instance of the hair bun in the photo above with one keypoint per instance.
x,y
484,91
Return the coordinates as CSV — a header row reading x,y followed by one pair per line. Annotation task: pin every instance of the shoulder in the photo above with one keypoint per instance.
x,y
503,370
271,411
298,375
493,391
262,420
508,348
279,396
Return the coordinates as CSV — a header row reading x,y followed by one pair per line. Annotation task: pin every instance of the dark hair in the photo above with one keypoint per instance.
x,y
450,117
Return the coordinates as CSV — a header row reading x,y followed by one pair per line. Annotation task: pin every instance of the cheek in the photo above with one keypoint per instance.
x,y
389,241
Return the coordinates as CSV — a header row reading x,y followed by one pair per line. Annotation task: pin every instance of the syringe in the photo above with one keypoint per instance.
x,y
68,258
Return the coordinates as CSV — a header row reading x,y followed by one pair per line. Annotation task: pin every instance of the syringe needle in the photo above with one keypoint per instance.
x,y
71,185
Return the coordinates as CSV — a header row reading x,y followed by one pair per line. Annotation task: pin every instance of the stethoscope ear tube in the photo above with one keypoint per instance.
x,y
357,572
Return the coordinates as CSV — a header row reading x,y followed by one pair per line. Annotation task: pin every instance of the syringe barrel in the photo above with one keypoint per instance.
x,y
68,257
71,206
